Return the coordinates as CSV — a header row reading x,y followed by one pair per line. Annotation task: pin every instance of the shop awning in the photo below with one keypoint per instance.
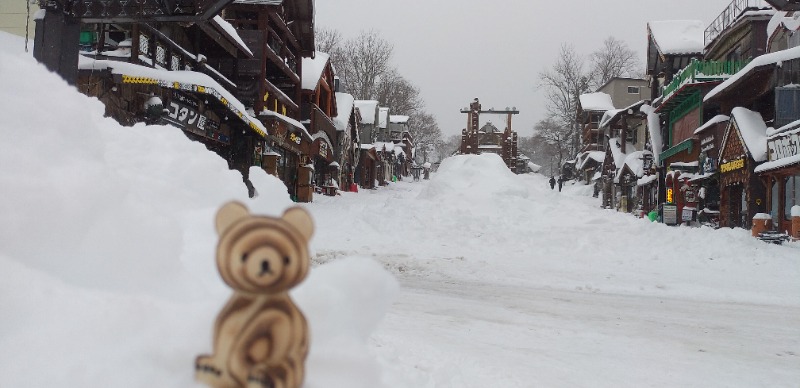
x,y
188,81
294,124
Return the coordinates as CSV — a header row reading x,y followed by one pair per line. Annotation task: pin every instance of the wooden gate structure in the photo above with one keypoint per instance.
x,y
475,141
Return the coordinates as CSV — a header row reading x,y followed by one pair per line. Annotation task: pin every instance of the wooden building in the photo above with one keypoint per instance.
x,y
318,107
400,134
743,148
369,161
347,145
280,34
591,108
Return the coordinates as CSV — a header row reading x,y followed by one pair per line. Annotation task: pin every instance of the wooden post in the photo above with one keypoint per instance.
x,y
762,222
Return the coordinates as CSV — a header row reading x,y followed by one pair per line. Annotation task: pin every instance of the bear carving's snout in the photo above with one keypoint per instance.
x,y
265,267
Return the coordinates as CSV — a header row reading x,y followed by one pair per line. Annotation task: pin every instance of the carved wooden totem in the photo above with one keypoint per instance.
x,y
260,336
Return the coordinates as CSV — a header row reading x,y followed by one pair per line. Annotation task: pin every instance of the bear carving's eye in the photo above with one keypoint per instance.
x,y
286,260
244,257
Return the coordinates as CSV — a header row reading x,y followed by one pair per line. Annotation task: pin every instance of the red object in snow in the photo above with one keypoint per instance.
x,y
354,187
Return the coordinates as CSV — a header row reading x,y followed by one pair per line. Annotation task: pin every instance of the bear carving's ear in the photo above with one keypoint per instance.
x,y
228,214
301,220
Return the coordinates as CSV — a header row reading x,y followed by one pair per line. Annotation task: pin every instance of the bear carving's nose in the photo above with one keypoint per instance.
x,y
265,267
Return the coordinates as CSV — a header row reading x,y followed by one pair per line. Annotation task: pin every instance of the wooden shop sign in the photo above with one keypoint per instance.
x,y
733,165
183,113
785,146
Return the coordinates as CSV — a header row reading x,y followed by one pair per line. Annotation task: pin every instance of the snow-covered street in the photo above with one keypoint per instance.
x,y
507,283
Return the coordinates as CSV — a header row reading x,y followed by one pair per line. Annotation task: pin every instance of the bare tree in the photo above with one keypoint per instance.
x,y
364,61
330,42
554,140
447,147
564,83
614,59
427,135
398,93
327,40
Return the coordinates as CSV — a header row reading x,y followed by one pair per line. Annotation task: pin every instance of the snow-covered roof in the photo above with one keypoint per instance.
x,y
781,20
398,119
260,2
786,128
187,80
646,180
287,119
610,115
597,156
635,162
714,120
324,137
654,130
676,37
231,31
685,164
754,132
344,106
763,60
596,101
313,69
367,109
615,146
383,117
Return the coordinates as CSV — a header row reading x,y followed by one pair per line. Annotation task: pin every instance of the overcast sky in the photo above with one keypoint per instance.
x,y
456,50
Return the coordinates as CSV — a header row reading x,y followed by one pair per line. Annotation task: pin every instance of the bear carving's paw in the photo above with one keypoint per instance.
x,y
205,370
261,378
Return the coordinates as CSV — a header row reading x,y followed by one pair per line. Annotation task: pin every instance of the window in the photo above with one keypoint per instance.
x,y
787,105
792,195
775,201
633,90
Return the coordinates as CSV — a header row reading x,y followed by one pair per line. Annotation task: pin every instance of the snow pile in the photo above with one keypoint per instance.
x,y
107,250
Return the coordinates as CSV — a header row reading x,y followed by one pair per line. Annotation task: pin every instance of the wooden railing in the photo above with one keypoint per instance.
x,y
699,71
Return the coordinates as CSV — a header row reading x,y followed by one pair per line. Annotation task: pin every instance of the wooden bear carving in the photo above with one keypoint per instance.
x,y
260,336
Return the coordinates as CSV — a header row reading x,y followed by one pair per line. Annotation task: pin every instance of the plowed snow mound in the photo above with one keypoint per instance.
x,y
473,177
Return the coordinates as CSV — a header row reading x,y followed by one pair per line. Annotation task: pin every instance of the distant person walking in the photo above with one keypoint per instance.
x,y
560,183
552,182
